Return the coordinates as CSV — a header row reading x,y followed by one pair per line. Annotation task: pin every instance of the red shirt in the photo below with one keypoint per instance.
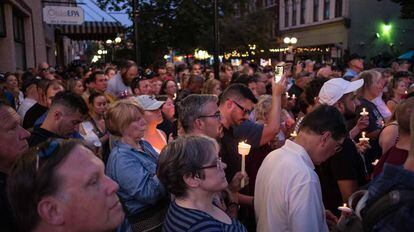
x,y
393,156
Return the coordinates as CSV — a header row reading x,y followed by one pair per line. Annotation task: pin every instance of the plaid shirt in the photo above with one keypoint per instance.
x,y
393,178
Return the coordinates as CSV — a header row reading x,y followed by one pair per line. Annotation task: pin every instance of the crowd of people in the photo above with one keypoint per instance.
x,y
121,148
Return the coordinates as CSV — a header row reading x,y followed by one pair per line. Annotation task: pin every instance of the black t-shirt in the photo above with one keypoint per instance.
x,y
168,127
7,222
248,130
344,165
375,118
40,135
33,114
376,122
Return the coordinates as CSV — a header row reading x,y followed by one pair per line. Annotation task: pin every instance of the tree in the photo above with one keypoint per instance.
x,y
407,8
187,25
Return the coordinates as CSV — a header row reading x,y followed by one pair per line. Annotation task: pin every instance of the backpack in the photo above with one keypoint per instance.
x,y
365,217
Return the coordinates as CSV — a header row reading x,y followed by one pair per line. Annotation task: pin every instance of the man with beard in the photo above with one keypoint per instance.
x,y
343,173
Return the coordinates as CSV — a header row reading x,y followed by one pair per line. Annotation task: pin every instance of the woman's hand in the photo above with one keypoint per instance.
x,y
235,184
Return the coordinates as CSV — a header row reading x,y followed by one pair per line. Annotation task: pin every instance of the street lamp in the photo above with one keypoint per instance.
x,y
108,41
290,40
118,40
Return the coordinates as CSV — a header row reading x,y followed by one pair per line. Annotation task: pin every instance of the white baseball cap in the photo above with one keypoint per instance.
x,y
335,88
148,102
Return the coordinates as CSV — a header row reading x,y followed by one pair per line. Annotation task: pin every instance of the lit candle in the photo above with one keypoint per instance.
x,y
364,112
244,150
406,92
293,134
293,96
375,162
287,95
175,96
179,85
345,208
363,138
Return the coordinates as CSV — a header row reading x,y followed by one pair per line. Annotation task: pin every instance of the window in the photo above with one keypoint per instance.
x,y
338,8
286,13
315,10
2,21
294,13
18,32
302,11
326,11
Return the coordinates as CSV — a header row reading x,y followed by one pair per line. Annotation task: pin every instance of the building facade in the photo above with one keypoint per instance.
x,y
331,28
24,40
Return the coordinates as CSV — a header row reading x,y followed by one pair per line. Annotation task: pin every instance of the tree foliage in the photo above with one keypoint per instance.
x,y
185,25
407,8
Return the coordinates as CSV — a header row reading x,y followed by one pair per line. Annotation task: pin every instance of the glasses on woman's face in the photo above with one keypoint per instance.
x,y
219,165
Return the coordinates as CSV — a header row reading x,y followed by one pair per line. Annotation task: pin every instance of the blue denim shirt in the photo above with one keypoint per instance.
x,y
393,178
135,173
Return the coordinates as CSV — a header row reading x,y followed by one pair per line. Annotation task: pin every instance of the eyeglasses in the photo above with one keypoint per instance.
x,y
245,111
219,165
217,115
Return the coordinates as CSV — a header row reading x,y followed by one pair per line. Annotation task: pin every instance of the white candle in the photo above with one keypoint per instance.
x,y
364,112
175,96
287,95
406,92
179,85
293,96
363,138
375,162
293,134
244,150
345,208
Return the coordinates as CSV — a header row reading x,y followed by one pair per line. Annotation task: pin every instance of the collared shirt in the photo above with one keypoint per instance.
x,y
288,193
393,178
135,173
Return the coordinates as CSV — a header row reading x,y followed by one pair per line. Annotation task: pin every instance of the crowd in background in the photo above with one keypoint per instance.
x,y
107,147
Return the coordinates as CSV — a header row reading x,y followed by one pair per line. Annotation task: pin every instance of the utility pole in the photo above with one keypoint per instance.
x,y
216,42
135,13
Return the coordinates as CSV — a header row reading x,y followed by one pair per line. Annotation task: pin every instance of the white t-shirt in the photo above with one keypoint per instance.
x,y
382,107
287,195
24,106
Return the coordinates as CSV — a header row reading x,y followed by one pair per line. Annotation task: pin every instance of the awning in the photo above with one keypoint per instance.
x,y
92,30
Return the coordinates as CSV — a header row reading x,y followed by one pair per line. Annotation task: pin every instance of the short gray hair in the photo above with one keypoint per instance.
x,y
191,108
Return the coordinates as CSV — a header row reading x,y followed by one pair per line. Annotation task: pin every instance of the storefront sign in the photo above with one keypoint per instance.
x,y
63,15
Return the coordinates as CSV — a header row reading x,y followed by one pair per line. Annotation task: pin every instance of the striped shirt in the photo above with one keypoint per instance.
x,y
183,219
